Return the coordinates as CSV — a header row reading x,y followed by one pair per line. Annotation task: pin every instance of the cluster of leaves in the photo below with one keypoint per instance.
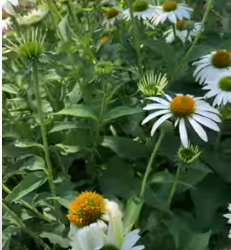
x,y
95,140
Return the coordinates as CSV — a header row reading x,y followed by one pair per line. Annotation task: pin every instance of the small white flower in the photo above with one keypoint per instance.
x,y
211,65
141,10
34,16
6,23
7,5
184,109
228,216
183,32
219,87
171,11
111,16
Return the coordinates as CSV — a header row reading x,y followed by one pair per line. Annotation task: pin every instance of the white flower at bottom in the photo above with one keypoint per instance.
x,y
228,216
171,11
219,87
7,5
184,109
210,65
141,10
34,16
182,32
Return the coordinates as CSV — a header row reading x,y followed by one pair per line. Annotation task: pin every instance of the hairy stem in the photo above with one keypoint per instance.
x,y
24,227
136,37
149,166
27,205
174,185
190,50
44,133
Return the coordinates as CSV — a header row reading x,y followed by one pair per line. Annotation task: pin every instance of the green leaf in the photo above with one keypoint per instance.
x,y
10,88
28,144
55,239
78,110
68,149
195,241
120,111
126,147
67,126
63,27
30,183
34,163
65,202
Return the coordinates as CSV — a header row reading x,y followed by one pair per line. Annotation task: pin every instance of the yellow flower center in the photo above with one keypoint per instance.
x,y
225,83
182,106
86,209
104,39
111,13
221,59
169,6
140,5
180,24
4,14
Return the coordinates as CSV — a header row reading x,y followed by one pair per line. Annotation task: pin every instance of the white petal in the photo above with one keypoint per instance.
x,y
159,100
155,106
208,108
206,122
212,116
159,122
183,133
153,115
130,240
198,129
138,248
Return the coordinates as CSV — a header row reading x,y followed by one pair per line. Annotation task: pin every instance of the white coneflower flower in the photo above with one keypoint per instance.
x,y
219,87
141,10
185,31
34,16
212,64
228,216
111,16
152,84
7,5
172,11
184,109
111,237
89,213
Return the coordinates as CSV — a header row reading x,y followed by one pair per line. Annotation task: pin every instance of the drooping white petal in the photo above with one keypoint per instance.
x,y
159,122
130,240
198,129
159,100
153,115
206,122
155,106
183,133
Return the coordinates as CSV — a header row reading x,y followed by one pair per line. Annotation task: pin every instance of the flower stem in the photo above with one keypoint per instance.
x,y
44,133
149,166
72,13
136,37
27,205
24,227
174,185
190,50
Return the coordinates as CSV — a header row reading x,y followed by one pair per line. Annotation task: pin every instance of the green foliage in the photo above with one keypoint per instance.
x,y
71,121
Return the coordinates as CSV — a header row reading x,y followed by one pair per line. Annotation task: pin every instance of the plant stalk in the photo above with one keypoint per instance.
x,y
27,205
24,227
174,185
44,133
190,50
136,37
149,166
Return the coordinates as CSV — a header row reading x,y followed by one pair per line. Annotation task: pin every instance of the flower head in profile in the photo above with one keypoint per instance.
x,y
184,109
219,87
104,67
212,64
34,16
172,11
228,216
153,84
141,10
7,6
185,30
111,16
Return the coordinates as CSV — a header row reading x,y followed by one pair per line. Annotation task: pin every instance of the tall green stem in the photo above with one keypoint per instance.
x,y
27,205
190,50
24,227
149,166
72,13
43,131
136,36
174,185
